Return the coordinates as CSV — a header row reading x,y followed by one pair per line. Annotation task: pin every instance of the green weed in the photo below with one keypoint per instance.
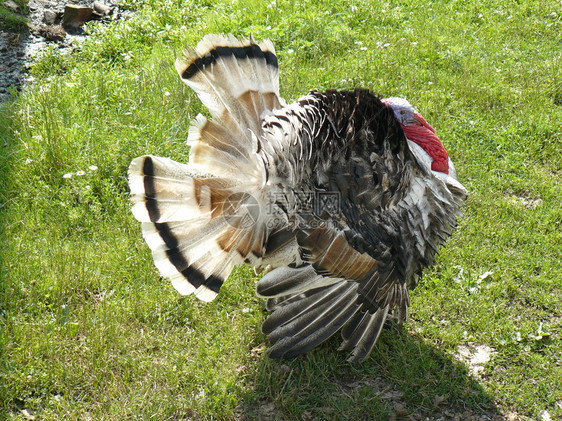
x,y
13,20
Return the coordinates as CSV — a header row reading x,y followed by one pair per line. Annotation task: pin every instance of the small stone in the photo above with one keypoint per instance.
x,y
49,17
12,5
102,9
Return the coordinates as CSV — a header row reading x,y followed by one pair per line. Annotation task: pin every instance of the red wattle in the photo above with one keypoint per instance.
x,y
430,143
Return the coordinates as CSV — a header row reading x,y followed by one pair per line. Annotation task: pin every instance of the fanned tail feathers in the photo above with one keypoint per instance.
x,y
238,81
202,218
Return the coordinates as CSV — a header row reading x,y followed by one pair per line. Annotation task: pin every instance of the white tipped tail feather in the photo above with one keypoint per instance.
x,y
328,192
201,218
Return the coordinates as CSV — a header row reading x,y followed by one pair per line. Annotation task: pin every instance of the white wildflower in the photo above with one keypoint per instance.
x,y
363,48
167,93
290,51
67,175
93,167
28,161
80,172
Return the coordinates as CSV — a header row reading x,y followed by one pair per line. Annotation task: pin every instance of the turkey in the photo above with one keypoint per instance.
x,y
340,198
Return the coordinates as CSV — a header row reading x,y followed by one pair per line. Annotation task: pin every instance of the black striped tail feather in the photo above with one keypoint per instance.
x,y
202,218
238,81
195,225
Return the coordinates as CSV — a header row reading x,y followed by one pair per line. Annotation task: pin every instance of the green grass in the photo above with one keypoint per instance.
x,y
88,330
12,20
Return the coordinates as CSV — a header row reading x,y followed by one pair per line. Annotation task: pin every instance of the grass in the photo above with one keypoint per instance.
x,y
11,19
89,331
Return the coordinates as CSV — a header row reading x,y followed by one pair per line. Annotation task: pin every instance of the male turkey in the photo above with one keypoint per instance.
x,y
344,197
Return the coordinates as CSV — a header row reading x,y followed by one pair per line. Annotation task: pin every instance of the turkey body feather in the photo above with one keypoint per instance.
x,y
329,193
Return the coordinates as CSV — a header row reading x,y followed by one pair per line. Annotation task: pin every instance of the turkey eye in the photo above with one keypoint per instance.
x,y
402,112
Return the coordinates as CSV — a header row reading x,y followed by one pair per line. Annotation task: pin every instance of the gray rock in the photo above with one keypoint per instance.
x,y
12,5
49,17
102,9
